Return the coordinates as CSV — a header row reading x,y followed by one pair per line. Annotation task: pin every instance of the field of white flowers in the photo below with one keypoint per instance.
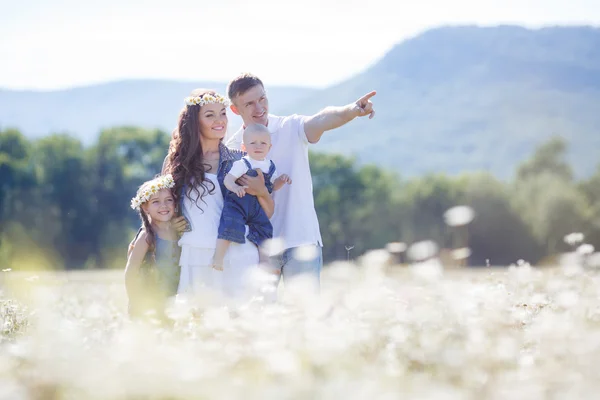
x,y
373,333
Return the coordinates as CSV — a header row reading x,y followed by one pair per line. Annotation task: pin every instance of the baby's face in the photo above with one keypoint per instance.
x,y
257,144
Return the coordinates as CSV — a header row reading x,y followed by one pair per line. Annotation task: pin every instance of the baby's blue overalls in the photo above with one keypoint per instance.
x,y
241,211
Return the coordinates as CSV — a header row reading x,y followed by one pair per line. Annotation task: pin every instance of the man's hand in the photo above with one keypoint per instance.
x,y
255,185
333,117
364,107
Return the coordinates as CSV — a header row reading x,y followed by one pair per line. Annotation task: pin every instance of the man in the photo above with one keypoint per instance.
x,y
295,219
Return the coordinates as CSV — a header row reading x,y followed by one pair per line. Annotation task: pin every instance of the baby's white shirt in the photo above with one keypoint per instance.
x,y
239,167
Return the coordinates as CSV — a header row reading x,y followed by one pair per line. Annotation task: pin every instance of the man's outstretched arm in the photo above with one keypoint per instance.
x,y
334,117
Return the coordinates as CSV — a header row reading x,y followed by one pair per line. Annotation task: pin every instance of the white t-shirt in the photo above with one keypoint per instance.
x,y
295,219
239,167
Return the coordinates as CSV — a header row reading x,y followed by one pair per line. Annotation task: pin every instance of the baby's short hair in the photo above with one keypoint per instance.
x,y
254,128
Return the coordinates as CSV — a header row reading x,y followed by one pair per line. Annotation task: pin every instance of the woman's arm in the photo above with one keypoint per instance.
x,y
267,204
134,262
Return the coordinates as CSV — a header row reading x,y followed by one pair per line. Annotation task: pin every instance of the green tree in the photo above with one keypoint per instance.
x,y
548,199
591,190
498,234
421,207
353,204
16,171
123,159
63,195
548,158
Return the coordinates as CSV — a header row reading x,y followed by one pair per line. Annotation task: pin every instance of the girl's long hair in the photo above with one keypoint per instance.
x,y
185,160
150,236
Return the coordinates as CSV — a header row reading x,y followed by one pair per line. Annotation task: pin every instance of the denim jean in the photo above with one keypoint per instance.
x,y
296,262
239,212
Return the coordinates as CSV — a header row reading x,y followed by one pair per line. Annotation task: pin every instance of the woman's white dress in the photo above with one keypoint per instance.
x,y
198,246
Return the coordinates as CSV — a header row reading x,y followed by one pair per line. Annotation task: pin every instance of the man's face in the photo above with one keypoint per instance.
x,y
252,106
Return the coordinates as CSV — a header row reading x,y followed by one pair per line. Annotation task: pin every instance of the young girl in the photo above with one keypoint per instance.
x,y
152,272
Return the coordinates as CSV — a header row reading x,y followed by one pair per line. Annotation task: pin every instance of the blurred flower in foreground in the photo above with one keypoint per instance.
x,y
430,270
305,253
585,249
423,250
594,260
461,254
273,247
574,238
396,247
459,216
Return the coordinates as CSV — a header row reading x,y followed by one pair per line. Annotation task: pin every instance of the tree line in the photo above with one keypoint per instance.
x,y
65,205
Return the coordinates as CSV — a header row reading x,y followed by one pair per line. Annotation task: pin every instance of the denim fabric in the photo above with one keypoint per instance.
x,y
241,211
292,266
227,158
267,175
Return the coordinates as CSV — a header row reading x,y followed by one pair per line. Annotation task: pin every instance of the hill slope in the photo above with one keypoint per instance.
x,y
84,111
451,99
463,98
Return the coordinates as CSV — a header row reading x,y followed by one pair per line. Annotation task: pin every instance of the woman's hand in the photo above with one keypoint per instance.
x,y
180,224
255,185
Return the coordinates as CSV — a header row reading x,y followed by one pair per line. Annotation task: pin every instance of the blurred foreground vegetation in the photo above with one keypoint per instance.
x,y
65,204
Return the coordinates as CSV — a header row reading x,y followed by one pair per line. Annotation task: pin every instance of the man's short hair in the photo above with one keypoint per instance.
x,y
241,84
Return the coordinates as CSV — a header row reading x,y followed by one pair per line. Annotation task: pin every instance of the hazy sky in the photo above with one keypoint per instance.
x,y
63,43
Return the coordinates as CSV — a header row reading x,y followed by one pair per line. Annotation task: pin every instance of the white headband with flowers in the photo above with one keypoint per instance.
x,y
206,99
151,188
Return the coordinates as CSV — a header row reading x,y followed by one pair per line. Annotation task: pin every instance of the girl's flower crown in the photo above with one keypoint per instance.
x,y
206,99
150,188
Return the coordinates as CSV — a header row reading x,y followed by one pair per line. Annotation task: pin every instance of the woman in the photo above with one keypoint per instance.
x,y
198,162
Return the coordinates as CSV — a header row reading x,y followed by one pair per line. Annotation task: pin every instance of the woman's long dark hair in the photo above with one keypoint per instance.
x,y
185,160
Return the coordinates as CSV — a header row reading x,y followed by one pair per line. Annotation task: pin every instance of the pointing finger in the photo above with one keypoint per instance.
x,y
367,96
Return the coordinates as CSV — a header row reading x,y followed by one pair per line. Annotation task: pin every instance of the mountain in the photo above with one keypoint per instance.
x,y
464,98
451,99
84,111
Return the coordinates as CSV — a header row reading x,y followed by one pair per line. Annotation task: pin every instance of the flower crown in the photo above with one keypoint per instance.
x,y
206,99
150,188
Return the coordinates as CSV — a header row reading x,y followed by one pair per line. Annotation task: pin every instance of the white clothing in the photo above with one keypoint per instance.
x,y
239,167
198,247
295,219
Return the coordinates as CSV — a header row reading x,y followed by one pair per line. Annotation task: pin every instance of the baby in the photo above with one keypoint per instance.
x,y
241,209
